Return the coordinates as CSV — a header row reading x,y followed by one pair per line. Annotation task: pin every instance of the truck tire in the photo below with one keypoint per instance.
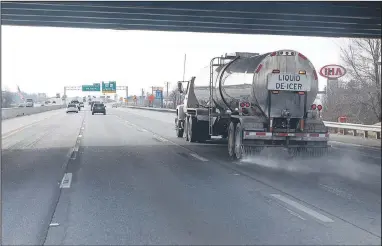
x,y
239,148
231,140
179,131
192,130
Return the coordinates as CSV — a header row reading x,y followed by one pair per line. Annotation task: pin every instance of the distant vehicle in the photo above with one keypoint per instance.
x,y
47,102
77,103
21,105
99,108
92,103
115,105
54,102
72,107
29,103
81,104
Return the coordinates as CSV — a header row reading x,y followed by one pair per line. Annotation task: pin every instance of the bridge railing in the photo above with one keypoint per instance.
x,y
341,128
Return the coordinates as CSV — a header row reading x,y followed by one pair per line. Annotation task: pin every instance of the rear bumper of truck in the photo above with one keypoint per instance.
x,y
290,140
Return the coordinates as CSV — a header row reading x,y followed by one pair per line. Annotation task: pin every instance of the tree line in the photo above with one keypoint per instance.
x,y
358,95
9,98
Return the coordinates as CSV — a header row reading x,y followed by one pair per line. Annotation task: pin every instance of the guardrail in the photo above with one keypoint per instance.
x,y
341,127
8,113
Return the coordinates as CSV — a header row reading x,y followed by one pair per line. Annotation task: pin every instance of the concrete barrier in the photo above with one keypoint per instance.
x,y
8,113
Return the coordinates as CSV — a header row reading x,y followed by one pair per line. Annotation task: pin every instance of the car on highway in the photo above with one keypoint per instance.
x,y
72,107
115,105
99,108
54,102
82,104
92,103
77,103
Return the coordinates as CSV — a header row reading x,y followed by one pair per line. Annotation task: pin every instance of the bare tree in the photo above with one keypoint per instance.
x,y
6,99
360,58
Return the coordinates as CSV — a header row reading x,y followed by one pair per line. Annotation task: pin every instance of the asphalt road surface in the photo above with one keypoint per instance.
x,y
124,178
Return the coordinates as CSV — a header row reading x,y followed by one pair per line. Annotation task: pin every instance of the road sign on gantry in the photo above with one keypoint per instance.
x,y
109,87
93,87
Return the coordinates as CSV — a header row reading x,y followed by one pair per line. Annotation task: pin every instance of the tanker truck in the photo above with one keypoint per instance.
x,y
256,101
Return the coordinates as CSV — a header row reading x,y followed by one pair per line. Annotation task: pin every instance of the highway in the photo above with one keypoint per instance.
x,y
128,180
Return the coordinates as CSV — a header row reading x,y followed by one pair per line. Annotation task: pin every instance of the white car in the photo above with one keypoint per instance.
x,y
72,108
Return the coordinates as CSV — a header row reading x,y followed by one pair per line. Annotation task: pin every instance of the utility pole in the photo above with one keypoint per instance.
x,y
167,83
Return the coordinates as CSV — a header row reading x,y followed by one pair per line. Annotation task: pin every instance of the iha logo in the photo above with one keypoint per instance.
x,y
332,71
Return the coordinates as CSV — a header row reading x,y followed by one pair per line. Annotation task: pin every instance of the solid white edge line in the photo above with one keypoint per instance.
x,y
356,145
66,181
302,208
198,157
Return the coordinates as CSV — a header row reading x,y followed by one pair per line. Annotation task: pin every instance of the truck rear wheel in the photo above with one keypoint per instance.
x,y
178,128
192,130
239,148
231,140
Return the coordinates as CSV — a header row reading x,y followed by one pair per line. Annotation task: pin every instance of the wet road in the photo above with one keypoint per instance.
x,y
129,180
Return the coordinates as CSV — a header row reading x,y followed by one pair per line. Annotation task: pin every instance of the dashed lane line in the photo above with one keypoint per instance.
x,y
302,208
66,181
198,157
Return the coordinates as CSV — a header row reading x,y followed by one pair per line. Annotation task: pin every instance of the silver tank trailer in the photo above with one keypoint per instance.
x,y
240,81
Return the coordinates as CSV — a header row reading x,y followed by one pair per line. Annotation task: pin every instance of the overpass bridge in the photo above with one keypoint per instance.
x,y
324,19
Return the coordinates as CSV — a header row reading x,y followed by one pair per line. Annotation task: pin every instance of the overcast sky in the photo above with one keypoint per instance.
x,y
41,59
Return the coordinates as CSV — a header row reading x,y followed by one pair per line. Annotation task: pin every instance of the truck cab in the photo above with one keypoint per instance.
x,y
29,103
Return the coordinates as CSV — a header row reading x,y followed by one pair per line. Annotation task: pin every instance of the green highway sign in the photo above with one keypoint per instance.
x,y
94,87
109,87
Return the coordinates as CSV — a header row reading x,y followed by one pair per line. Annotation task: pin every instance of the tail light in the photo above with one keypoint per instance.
x,y
259,68
273,53
275,71
301,93
319,107
245,105
275,92
314,106
302,72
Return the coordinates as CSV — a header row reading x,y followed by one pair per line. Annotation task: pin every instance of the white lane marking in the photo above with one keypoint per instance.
x,y
80,136
54,224
339,192
160,138
291,212
198,157
74,153
357,145
236,174
82,128
304,209
66,181
76,148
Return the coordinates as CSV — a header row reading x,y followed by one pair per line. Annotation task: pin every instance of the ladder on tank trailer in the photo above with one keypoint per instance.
x,y
215,62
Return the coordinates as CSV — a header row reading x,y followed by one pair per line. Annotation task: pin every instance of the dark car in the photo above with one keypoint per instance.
x,y
99,108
